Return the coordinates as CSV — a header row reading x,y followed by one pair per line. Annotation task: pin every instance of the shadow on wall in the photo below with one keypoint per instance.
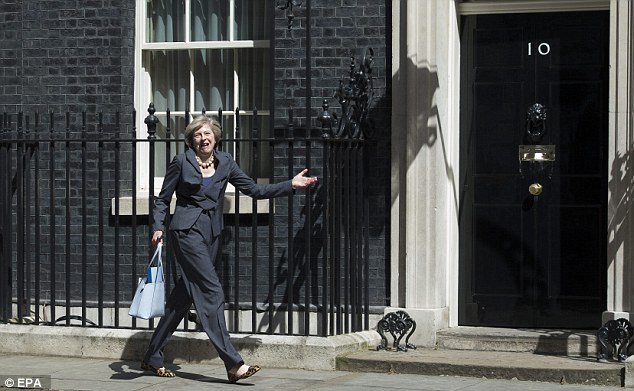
x,y
422,129
292,290
621,189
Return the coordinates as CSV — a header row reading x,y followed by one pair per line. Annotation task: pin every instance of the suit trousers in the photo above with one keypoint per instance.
x,y
196,250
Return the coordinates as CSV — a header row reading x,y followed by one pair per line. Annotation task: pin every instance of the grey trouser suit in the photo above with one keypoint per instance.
x,y
194,235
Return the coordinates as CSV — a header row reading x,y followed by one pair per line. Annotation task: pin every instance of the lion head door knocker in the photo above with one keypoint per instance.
x,y
535,154
536,123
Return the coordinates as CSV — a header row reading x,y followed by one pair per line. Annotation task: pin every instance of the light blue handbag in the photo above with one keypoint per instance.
x,y
149,298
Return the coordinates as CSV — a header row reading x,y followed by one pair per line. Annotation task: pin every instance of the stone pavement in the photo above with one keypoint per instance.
x,y
69,373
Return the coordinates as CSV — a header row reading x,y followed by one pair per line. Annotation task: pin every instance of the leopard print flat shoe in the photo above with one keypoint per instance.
x,y
160,372
253,369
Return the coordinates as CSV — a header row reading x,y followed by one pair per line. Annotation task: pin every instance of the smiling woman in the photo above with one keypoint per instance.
x,y
199,177
201,128
202,135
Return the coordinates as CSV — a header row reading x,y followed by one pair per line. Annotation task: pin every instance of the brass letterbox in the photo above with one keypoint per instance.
x,y
537,153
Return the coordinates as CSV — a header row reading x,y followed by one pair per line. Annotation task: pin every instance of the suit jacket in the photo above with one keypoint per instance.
x,y
185,178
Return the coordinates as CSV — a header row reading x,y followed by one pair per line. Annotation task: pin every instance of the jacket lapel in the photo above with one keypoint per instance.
x,y
193,168
223,163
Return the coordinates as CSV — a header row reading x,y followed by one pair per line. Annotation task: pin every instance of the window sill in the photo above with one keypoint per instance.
x,y
142,205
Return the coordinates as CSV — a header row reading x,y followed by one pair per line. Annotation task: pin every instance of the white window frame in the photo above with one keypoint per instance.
x,y
476,7
143,97
143,90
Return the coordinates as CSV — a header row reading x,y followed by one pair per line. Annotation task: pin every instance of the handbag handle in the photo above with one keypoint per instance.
x,y
158,255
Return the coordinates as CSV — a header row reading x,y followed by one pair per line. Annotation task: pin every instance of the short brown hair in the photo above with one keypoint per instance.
x,y
199,122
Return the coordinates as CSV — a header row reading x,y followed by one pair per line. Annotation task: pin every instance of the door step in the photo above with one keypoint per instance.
x,y
487,364
580,343
556,356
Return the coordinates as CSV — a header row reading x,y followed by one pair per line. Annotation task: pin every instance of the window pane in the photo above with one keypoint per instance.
x,y
213,79
253,76
209,20
228,129
161,158
169,72
243,151
254,160
165,21
252,19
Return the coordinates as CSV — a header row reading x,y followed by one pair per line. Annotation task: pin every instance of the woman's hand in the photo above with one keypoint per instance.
x,y
300,181
157,237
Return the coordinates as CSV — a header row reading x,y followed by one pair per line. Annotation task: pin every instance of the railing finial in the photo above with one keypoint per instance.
x,y
289,14
355,98
151,121
327,120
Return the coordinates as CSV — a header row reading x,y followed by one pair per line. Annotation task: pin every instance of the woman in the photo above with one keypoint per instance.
x,y
199,177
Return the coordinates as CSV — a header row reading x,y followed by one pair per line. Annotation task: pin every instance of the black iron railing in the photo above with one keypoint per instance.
x,y
74,233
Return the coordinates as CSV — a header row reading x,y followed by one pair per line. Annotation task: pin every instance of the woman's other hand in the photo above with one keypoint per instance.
x,y
157,237
301,181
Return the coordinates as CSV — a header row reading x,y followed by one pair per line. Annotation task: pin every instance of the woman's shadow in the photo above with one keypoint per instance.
x,y
129,370
186,349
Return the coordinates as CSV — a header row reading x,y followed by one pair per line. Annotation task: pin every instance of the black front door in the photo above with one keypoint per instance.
x,y
534,132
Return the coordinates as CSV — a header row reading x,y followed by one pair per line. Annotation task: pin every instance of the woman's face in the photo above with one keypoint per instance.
x,y
204,141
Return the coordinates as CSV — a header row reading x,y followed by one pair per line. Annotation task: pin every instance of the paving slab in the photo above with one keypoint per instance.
x,y
72,374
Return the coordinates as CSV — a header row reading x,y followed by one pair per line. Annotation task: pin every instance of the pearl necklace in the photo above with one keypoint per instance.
x,y
207,164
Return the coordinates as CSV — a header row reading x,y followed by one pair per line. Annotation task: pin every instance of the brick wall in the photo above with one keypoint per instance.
x,y
340,29
10,53
72,56
67,55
